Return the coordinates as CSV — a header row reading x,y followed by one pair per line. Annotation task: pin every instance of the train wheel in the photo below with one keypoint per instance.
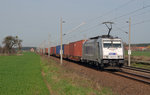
x,y
101,67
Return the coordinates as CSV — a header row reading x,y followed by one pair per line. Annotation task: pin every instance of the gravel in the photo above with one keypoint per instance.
x,y
119,85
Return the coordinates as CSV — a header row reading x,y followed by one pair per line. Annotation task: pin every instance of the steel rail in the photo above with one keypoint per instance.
x,y
136,69
133,78
142,76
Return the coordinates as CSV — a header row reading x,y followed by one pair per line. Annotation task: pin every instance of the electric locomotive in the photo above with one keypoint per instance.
x,y
104,51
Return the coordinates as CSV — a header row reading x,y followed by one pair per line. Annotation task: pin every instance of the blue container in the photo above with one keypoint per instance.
x,y
58,49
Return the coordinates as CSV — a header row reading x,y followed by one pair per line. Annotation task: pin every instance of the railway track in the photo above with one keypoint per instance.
x,y
133,77
140,78
130,75
136,69
138,74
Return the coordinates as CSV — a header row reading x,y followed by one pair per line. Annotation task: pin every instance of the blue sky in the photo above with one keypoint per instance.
x,y
34,20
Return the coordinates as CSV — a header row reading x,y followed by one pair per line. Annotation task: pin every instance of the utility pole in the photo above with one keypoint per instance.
x,y
49,45
61,51
129,51
43,48
61,56
44,45
85,37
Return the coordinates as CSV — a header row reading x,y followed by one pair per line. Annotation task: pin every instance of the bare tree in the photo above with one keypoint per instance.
x,y
10,43
1,49
19,45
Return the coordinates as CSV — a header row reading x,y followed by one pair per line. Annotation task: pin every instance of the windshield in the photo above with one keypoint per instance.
x,y
112,45
107,45
117,45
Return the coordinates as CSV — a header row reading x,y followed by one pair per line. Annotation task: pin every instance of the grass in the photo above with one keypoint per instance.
x,y
141,66
21,75
139,53
64,82
141,56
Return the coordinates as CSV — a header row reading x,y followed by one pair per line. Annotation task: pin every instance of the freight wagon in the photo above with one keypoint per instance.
x,y
51,50
41,51
46,51
75,50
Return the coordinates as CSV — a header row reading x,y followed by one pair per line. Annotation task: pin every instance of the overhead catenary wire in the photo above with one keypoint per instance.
x,y
111,11
141,22
83,23
136,15
126,14
126,3
120,28
69,39
88,29
130,13
133,25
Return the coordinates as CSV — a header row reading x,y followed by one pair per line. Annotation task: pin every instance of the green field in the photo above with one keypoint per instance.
x,y
139,53
141,56
21,75
141,66
30,74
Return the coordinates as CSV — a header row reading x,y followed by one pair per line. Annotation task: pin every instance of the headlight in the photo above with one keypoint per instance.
x,y
105,56
120,56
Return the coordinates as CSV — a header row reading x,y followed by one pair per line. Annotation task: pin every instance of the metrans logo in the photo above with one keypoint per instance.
x,y
112,54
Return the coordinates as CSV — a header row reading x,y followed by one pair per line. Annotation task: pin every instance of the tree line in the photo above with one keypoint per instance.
x,y
10,43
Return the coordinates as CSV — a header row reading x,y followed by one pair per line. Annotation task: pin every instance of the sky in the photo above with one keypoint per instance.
x,y
37,22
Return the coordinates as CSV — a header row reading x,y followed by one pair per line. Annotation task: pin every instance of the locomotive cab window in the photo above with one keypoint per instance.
x,y
116,45
107,45
112,44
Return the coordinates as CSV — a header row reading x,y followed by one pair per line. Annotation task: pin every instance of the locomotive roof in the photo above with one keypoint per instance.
x,y
104,36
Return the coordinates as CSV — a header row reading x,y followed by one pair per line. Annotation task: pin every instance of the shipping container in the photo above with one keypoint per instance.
x,y
41,51
75,50
51,50
54,51
46,51
58,50
78,48
66,50
71,49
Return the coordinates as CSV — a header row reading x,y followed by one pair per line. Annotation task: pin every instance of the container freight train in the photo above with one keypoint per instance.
x,y
102,51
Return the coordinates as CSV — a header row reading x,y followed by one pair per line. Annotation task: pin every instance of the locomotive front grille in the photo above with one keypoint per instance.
x,y
112,57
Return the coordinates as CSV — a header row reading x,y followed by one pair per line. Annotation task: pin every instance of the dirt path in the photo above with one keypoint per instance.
x,y
45,81
119,85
